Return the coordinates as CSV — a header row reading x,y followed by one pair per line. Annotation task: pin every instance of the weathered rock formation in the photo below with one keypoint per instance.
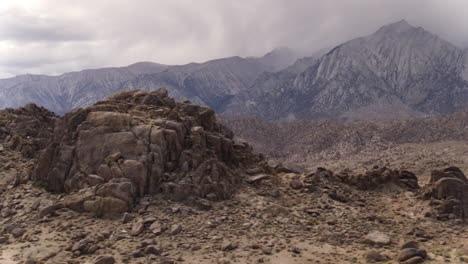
x,y
108,199
448,190
372,179
26,129
369,180
159,145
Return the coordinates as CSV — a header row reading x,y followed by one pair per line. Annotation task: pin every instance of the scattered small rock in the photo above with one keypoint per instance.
x,y
105,260
147,242
137,228
410,244
156,228
3,239
295,250
126,218
48,210
175,229
374,256
267,250
257,178
414,260
17,232
203,204
166,261
408,253
35,205
377,238
296,183
153,250
137,254
40,253
228,246
6,212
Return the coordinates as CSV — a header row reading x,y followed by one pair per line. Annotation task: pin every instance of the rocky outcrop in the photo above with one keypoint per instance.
x,y
369,180
160,146
448,191
26,129
372,179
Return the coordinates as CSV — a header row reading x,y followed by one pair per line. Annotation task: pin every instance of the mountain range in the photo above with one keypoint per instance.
x,y
210,83
399,71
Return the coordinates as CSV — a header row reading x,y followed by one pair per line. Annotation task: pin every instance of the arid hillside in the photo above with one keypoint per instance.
x,y
422,142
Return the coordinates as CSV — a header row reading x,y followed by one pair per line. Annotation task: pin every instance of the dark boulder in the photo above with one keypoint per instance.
x,y
448,189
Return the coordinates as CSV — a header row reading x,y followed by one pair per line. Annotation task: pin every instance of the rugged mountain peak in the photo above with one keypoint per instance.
x,y
280,52
396,27
279,58
147,67
403,35
398,72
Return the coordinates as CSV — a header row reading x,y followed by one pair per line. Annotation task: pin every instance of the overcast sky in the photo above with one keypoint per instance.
x,y
56,36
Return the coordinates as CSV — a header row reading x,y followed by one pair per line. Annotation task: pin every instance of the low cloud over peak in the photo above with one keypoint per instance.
x,y
56,36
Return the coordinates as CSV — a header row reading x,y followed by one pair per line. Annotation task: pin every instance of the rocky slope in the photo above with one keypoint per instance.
x,y
212,83
399,71
318,217
420,143
142,178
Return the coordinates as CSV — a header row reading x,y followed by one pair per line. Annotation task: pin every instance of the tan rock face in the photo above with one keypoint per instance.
x,y
159,145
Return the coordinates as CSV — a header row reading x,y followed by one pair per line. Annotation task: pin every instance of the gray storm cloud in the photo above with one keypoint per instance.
x,y
20,26
56,36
